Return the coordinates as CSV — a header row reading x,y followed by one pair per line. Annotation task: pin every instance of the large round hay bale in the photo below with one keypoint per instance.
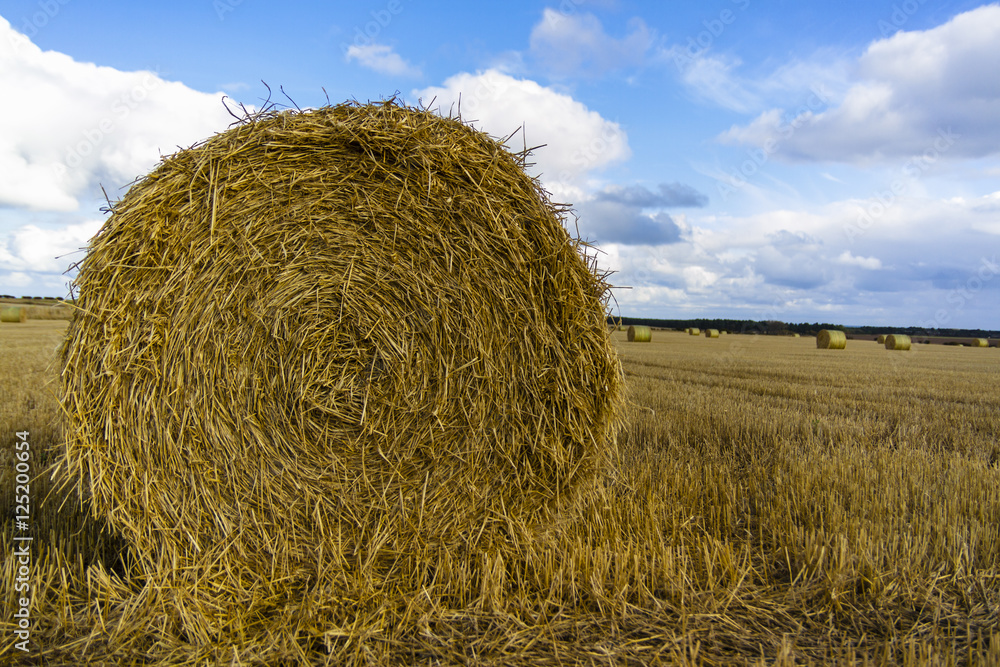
x,y
332,339
13,314
831,339
694,331
897,342
980,342
639,334
711,333
881,339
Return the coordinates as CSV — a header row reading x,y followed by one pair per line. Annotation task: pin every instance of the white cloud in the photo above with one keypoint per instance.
x,y
712,79
31,248
235,86
382,59
912,93
577,141
568,45
871,263
78,126
16,279
802,86
801,265
34,259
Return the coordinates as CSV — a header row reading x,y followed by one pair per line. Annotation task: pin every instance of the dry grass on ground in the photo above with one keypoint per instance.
x,y
772,503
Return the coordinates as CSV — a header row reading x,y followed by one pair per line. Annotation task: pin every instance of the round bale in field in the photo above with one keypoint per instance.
x,y
897,342
325,341
980,342
711,333
639,334
881,339
14,314
831,339
694,332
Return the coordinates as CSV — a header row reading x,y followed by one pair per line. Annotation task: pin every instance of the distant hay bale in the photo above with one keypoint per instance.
x,y
711,333
881,339
639,334
980,342
831,339
358,334
694,332
795,335
897,342
13,314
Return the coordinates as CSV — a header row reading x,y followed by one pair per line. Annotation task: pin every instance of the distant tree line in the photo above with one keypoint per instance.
x,y
36,298
778,328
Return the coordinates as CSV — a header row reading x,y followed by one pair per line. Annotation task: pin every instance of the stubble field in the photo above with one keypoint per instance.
x,y
769,503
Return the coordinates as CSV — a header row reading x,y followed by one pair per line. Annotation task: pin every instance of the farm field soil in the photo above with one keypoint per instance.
x,y
770,503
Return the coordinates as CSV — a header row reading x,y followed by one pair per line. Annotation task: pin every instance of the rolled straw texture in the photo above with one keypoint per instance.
x,y
897,342
639,334
13,314
694,332
332,339
711,333
831,339
980,342
881,339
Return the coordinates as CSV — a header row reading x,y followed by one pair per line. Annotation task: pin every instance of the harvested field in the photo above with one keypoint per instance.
x,y
769,501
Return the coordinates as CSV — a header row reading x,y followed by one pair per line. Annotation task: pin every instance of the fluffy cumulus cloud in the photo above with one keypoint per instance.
x,y
382,59
906,267
37,257
575,44
915,93
633,214
32,248
611,222
577,141
79,126
74,128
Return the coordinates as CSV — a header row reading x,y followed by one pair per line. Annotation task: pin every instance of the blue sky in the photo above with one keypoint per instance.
x,y
817,161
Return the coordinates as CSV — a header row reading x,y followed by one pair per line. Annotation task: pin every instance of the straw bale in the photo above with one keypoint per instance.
x,y
711,333
897,342
13,314
694,331
639,334
980,342
831,339
326,341
881,339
